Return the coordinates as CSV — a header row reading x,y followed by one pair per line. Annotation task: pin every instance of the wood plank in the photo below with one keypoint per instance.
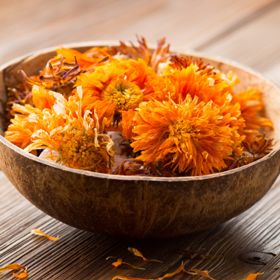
x,y
257,45
30,25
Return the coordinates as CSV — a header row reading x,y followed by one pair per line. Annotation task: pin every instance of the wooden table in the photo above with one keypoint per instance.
x,y
247,31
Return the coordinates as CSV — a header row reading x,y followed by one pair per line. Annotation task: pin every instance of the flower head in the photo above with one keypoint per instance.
x,y
72,137
252,109
191,137
192,80
116,87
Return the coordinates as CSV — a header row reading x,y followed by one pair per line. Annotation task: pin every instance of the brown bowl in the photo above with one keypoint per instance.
x,y
134,205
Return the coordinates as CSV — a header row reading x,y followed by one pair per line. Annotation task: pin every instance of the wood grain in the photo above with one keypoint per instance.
x,y
33,24
247,243
256,44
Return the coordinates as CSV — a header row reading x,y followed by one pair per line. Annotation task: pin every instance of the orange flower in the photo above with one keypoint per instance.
x,y
252,110
206,85
71,136
60,72
116,87
77,145
23,125
190,137
28,119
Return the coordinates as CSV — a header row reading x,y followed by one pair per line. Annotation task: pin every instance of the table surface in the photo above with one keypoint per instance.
x,y
247,31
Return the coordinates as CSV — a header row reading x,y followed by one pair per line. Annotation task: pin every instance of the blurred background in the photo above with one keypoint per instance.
x,y
247,31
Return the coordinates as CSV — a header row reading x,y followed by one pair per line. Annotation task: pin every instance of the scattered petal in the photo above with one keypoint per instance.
x,y
12,266
21,275
119,262
198,272
138,254
41,233
18,271
179,270
120,277
253,276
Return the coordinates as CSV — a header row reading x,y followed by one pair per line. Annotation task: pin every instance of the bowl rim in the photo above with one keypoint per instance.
x,y
189,52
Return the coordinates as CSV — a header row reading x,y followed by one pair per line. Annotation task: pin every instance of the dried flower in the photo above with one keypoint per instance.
x,y
252,107
72,136
190,137
116,87
201,273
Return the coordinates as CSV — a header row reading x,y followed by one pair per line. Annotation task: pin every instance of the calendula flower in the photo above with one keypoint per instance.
x,y
190,137
116,87
46,114
60,72
252,109
72,137
206,85
23,125
77,145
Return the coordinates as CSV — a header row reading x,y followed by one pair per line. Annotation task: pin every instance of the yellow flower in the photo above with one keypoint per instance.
x,y
190,138
116,87
77,145
23,125
73,137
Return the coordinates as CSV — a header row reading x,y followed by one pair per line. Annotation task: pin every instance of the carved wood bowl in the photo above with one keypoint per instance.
x,y
138,206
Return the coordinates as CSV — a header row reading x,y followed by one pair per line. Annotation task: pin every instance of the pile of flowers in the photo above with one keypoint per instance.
x,y
130,110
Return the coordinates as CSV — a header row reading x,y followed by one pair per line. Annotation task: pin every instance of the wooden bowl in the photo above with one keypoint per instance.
x,y
134,205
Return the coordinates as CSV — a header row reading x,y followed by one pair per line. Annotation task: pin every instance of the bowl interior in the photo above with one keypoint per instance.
x,y
33,63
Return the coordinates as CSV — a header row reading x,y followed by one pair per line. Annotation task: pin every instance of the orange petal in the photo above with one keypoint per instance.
x,y
12,266
120,262
138,254
179,270
42,98
41,233
120,277
202,273
253,276
21,275
19,271
117,263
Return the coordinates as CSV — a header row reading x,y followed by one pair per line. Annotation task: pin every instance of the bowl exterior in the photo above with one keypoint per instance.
x,y
137,208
